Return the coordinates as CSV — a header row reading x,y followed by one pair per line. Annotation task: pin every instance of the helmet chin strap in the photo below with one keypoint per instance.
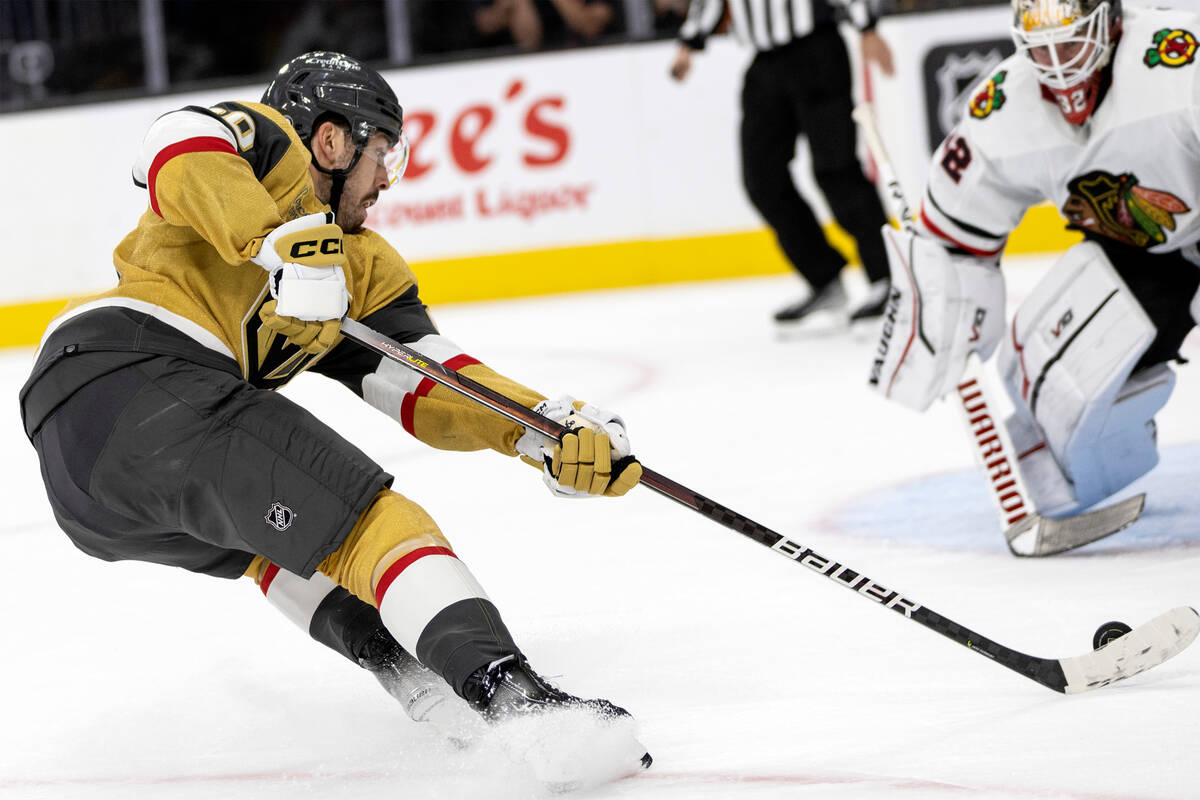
x,y
338,179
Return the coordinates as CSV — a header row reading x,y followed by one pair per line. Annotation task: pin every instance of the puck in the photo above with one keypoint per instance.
x,y
1107,632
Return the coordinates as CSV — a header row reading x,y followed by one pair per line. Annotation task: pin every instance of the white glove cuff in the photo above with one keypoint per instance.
x,y
310,293
605,422
536,445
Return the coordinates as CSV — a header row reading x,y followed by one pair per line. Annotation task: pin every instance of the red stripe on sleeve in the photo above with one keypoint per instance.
x,y
408,405
402,563
268,575
197,144
459,361
934,229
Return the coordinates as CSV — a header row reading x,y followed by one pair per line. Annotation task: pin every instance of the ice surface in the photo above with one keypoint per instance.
x,y
750,677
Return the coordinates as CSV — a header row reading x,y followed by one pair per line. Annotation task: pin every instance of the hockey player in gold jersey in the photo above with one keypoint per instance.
x,y
150,406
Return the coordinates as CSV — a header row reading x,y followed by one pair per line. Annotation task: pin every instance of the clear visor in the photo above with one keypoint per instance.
x,y
395,160
1064,55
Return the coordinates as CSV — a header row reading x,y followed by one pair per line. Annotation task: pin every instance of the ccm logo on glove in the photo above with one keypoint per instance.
x,y
313,240
307,249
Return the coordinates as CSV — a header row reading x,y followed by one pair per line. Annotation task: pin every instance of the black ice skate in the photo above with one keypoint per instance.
x,y
816,308
509,689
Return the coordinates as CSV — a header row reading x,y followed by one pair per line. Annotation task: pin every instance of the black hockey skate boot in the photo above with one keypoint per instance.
x,y
565,759
831,297
509,687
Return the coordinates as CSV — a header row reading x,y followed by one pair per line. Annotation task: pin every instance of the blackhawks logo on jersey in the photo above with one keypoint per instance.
x,y
1118,207
1173,47
991,98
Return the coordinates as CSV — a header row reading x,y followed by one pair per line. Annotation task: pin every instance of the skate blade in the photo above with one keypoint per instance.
x,y
455,722
573,750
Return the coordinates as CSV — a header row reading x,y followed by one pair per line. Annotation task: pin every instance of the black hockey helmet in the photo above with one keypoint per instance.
x,y
324,82
316,85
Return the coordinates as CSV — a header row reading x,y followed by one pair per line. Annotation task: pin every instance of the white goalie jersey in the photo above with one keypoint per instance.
x,y
1131,172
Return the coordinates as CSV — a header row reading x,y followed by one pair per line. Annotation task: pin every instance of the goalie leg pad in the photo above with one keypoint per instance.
x,y
942,307
1127,447
1066,366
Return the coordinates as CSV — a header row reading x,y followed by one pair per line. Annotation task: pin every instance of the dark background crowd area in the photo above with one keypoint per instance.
x,y
59,52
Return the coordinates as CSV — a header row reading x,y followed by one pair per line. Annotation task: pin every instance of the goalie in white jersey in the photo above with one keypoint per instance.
x,y
1099,112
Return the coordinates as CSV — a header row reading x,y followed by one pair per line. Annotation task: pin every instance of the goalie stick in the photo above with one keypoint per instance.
x,y
1026,531
1146,646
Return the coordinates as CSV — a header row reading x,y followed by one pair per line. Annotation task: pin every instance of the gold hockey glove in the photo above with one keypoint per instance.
x,y
593,458
311,336
583,462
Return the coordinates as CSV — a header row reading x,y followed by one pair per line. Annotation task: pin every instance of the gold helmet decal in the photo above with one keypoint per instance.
x,y
1036,15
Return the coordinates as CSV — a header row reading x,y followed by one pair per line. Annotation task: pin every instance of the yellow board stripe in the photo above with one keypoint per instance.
x,y
24,323
599,266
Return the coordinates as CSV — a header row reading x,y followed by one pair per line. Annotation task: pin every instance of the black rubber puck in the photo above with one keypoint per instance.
x,y
1107,632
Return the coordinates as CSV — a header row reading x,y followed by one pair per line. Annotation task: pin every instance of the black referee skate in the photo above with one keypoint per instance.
x,y
829,298
508,689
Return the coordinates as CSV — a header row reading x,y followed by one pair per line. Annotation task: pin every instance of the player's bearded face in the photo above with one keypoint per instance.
x,y
369,177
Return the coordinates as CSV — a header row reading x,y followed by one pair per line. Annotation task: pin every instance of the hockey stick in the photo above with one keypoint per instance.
x,y
1144,647
1026,532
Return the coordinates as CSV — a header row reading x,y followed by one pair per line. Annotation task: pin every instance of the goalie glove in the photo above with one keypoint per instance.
x,y
593,457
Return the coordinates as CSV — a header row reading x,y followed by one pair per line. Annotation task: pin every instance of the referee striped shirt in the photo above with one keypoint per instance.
x,y
766,24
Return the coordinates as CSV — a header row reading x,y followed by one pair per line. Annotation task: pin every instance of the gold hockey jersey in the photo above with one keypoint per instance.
x,y
219,180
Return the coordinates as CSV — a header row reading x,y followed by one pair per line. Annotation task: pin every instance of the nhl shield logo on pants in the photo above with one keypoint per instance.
x,y
279,516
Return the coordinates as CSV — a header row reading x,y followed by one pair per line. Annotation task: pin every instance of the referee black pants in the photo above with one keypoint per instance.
x,y
804,87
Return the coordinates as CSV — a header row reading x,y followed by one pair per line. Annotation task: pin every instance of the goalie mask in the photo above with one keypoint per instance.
x,y
317,86
1069,43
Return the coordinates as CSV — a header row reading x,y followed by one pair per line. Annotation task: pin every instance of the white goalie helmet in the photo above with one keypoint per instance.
x,y
1069,42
